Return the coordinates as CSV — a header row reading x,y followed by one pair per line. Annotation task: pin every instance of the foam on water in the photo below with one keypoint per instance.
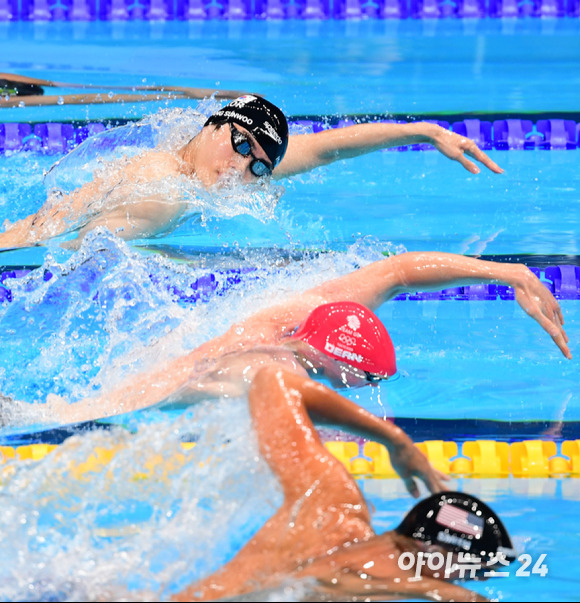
x,y
109,311
154,518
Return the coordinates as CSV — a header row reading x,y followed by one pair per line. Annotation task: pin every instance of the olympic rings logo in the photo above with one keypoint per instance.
x,y
346,339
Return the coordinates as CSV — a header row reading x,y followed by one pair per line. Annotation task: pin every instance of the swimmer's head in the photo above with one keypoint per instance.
x,y
263,120
353,335
459,523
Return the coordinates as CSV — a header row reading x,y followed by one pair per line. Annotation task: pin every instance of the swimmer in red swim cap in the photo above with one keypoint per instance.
x,y
354,338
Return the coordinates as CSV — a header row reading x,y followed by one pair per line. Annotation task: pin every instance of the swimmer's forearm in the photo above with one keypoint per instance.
x,y
345,143
307,151
380,281
19,234
415,271
424,271
330,406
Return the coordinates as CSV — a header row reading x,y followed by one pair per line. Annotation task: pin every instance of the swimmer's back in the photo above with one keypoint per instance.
x,y
140,198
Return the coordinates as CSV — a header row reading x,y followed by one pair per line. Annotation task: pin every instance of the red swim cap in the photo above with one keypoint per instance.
x,y
351,333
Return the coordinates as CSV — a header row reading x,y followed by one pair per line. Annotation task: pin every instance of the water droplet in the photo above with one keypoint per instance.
x,y
60,101
111,94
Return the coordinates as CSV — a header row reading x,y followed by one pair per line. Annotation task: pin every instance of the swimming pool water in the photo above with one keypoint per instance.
x,y
530,209
459,361
408,67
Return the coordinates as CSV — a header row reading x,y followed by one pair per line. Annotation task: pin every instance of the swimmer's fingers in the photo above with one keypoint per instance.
x,y
468,165
410,463
540,304
412,487
456,147
435,481
556,332
432,478
474,151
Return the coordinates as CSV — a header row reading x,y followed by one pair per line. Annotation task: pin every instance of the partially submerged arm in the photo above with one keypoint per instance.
x,y
123,199
308,151
399,587
57,216
416,271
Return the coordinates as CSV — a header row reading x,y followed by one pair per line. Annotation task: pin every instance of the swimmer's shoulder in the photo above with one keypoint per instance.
x,y
153,164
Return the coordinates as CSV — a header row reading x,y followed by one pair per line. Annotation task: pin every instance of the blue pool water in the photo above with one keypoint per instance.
x,y
395,66
459,361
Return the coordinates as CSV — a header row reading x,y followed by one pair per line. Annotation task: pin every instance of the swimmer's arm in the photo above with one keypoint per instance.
x,y
53,218
141,390
308,151
376,283
89,203
283,404
351,588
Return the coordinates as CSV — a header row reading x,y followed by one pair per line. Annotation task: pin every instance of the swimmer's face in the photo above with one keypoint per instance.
x,y
217,159
340,374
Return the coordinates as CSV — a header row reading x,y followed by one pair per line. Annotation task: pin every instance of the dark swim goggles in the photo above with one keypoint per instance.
x,y
241,144
361,375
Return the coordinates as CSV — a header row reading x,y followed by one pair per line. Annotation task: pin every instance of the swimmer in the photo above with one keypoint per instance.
x,y
227,364
247,139
22,91
322,532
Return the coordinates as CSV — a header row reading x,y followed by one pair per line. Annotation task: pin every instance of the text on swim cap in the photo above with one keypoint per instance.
x,y
242,101
452,539
353,331
332,349
236,115
271,132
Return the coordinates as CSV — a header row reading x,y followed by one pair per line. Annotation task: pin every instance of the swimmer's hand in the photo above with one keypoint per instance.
x,y
457,147
534,297
409,462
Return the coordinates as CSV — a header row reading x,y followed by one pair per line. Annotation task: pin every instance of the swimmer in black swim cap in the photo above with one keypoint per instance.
x,y
263,120
460,523
249,136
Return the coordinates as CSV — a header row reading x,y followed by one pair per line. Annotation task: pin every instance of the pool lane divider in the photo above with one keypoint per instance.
x,y
562,281
472,459
201,10
501,134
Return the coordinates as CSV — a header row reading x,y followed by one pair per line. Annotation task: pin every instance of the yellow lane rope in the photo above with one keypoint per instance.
x,y
478,458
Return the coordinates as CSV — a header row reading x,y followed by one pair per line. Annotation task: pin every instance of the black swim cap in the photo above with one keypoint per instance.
x,y
12,88
262,119
460,523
